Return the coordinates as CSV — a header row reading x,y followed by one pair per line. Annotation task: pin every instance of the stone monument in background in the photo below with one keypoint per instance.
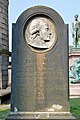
x,y
74,60
40,88
74,53
4,44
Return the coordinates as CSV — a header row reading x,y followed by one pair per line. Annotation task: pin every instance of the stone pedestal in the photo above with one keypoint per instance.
x,y
74,53
74,90
40,115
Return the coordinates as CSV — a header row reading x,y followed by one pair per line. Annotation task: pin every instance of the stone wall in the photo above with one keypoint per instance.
x,y
4,43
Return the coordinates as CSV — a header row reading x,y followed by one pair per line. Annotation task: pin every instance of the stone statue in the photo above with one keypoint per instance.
x,y
76,31
74,71
41,33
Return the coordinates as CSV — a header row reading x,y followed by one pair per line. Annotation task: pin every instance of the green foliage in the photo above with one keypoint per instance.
x,y
75,106
3,113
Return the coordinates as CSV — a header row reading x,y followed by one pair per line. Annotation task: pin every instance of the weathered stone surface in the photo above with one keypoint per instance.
x,y
40,72
4,43
4,2
40,115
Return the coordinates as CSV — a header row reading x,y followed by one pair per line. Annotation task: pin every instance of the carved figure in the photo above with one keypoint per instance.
x,y
40,33
76,31
75,71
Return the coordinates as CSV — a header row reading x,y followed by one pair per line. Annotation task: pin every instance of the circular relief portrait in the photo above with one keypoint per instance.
x,y
40,33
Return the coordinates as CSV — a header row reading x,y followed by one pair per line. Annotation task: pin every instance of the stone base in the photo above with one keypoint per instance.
x,y
40,115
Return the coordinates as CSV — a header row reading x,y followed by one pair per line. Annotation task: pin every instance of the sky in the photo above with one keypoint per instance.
x,y
66,8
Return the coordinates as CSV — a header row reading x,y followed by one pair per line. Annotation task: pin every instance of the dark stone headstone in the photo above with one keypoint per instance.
x,y
40,66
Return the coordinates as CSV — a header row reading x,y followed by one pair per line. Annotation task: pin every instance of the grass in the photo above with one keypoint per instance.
x,y
3,113
74,109
75,106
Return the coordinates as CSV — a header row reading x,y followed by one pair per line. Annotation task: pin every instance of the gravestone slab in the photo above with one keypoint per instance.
x,y
40,66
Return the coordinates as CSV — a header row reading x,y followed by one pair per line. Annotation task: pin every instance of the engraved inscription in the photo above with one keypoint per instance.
x,y
27,71
40,82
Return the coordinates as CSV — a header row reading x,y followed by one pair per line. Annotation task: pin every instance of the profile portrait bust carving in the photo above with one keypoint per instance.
x,y
40,33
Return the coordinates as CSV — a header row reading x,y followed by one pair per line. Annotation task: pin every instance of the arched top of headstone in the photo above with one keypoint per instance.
x,y
41,27
37,10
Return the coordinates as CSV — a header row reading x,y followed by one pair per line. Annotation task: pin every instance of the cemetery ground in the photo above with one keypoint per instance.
x,y
74,108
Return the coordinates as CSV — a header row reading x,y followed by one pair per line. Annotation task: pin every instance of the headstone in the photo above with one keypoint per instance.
x,y
40,66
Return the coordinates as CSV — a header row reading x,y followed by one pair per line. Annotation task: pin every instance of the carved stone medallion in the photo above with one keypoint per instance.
x,y
40,33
